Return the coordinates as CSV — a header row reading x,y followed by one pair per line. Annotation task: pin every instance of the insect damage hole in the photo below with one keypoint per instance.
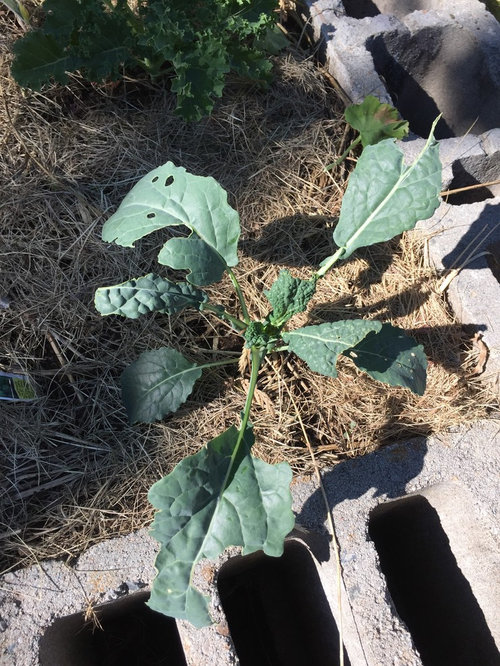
x,y
154,179
169,181
150,215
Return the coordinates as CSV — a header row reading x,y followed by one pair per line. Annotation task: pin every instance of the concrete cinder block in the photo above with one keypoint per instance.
x,y
445,58
344,48
355,489
466,239
440,472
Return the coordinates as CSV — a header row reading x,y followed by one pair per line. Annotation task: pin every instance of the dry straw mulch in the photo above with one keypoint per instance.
x,y
72,470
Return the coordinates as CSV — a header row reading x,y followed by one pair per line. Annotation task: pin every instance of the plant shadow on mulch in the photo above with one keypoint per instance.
x,y
73,471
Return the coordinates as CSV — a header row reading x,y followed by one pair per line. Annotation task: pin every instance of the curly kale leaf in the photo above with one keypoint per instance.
x,y
288,296
261,334
204,41
76,35
198,42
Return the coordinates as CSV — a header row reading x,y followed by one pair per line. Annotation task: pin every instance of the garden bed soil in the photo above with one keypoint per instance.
x,y
73,471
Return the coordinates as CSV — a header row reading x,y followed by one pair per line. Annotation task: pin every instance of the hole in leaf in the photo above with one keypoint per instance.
x,y
151,215
169,181
154,179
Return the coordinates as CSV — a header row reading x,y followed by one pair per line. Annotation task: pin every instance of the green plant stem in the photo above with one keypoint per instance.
x,y
344,154
257,355
239,293
332,260
215,364
225,316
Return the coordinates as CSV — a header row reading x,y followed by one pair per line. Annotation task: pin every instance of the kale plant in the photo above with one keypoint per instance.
x,y
194,43
223,496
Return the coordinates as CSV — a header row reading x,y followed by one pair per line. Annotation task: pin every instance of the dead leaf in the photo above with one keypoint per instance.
x,y
260,397
244,362
478,343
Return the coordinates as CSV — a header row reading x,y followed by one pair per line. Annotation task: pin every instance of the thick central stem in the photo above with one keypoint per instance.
x,y
256,359
344,154
239,293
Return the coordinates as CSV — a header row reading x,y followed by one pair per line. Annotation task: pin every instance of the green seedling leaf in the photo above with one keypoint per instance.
x,y
384,197
38,58
170,196
150,293
261,334
375,121
319,346
206,265
288,296
157,384
391,357
220,497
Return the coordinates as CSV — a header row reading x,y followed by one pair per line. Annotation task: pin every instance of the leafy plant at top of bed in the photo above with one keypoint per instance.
x,y
375,121
223,496
194,43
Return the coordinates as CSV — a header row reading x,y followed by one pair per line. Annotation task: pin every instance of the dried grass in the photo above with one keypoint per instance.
x,y
72,470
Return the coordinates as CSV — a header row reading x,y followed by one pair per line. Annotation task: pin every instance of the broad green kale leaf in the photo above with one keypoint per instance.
x,y
385,197
157,383
150,293
288,296
205,264
319,346
381,350
40,58
220,497
170,196
391,357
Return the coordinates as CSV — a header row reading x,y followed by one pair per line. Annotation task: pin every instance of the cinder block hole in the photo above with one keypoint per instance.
x,y
463,178
428,589
438,69
401,8
413,102
359,9
277,610
131,635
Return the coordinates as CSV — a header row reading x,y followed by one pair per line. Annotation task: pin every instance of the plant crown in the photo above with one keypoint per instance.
x,y
194,43
224,496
